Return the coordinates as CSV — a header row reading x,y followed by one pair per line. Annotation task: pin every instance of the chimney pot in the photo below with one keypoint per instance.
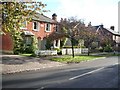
x,y
54,16
112,27
101,25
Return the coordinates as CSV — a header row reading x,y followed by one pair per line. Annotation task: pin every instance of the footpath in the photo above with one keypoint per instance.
x,y
15,63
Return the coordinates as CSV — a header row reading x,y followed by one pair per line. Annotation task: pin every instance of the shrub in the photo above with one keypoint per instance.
x,y
59,52
101,49
108,48
29,49
82,46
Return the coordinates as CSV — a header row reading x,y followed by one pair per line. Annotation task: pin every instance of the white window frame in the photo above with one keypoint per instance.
x,y
48,27
37,26
56,28
25,26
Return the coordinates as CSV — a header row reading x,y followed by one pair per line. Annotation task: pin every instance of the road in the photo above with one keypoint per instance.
x,y
101,73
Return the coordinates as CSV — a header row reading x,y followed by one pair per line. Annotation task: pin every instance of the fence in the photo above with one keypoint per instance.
x,y
77,51
45,52
65,51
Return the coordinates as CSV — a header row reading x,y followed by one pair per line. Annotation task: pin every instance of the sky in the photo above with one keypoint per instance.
x,y
95,11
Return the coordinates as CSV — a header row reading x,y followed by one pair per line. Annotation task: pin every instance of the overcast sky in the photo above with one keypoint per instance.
x,y
95,11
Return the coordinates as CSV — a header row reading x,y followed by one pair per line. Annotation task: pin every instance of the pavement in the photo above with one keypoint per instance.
x,y
15,63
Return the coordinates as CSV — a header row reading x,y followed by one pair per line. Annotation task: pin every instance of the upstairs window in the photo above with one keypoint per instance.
x,y
23,25
35,26
56,28
48,27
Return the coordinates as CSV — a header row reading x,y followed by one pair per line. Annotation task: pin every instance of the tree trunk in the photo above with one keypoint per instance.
x,y
88,50
72,47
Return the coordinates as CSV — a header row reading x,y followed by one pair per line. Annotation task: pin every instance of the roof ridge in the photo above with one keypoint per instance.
x,y
44,15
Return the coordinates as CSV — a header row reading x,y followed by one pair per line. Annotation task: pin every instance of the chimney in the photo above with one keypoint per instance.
x,y
112,27
101,25
89,24
54,17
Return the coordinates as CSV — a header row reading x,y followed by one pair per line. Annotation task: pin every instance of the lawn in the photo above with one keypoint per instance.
x,y
76,59
27,55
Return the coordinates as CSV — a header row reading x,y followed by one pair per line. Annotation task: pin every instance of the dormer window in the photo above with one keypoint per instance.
x,y
35,26
48,27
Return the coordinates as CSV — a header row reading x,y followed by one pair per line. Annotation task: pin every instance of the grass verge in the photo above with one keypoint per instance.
x,y
27,55
76,59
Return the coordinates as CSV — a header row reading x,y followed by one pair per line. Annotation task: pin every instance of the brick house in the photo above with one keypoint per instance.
x,y
109,33
40,27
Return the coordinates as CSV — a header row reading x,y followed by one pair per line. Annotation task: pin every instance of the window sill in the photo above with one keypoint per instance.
x,y
47,31
36,30
23,28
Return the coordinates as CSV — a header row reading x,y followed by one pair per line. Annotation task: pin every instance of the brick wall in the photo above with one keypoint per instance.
x,y
41,33
7,43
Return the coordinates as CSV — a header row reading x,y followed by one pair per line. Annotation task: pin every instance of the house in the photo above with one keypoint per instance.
x,y
108,33
40,27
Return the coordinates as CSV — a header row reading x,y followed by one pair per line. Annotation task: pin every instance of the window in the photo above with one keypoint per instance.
x,y
56,28
35,26
23,25
56,44
48,28
28,40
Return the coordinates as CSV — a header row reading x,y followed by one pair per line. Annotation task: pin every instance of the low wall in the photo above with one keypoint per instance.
x,y
45,52
77,51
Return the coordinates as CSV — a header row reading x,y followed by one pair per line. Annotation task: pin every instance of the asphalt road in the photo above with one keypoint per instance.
x,y
101,73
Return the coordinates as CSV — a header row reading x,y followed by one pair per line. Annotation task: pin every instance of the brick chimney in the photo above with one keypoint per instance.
x,y
101,25
54,17
112,27
89,24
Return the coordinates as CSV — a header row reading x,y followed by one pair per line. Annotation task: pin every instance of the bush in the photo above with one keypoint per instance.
x,y
59,52
16,51
108,48
82,46
101,49
29,49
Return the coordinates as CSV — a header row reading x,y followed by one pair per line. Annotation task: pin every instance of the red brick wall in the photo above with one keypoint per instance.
x,y
41,33
7,43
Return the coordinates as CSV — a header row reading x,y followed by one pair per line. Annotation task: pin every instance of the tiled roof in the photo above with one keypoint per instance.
x,y
113,32
108,29
43,18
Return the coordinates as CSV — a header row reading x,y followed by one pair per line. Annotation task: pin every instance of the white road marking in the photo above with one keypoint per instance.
x,y
116,63
40,88
86,73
